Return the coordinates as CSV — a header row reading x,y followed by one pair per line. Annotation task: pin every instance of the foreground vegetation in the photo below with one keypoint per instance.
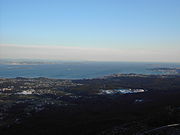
x,y
75,106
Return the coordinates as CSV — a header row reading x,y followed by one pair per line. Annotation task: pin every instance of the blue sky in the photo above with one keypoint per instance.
x,y
114,24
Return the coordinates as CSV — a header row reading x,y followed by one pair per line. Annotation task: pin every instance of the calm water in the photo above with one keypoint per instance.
x,y
74,70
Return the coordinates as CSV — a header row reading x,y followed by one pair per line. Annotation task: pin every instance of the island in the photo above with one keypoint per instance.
x,y
167,70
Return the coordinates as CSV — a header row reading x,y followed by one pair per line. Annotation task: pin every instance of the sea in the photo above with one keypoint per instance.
x,y
81,70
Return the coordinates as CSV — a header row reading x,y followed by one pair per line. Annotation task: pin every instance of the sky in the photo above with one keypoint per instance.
x,y
97,30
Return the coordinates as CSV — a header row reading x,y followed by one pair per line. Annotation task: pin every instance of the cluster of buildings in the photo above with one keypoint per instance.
x,y
121,91
34,85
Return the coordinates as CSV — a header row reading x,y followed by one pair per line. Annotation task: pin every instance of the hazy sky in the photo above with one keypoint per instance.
x,y
101,30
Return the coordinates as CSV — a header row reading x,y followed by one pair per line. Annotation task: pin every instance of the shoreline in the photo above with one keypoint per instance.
x,y
103,77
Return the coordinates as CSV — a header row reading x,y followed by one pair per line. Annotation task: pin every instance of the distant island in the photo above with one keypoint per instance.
x,y
167,70
24,62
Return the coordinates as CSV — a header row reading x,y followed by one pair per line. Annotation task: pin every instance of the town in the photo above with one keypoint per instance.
x,y
118,98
